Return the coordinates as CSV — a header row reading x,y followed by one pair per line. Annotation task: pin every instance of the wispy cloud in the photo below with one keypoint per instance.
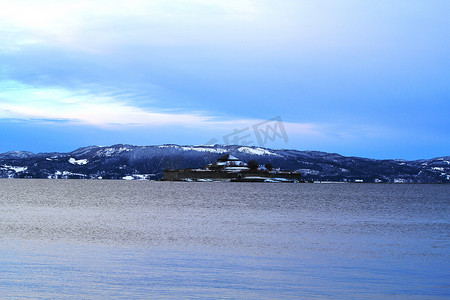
x,y
18,100
41,104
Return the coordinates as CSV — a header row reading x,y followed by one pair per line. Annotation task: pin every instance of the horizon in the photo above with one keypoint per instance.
x,y
221,145
358,79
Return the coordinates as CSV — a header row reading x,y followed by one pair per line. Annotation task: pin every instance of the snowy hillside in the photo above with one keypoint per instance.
x,y
149,162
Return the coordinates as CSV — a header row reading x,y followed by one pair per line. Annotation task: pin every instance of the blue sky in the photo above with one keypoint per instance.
x,y
360,78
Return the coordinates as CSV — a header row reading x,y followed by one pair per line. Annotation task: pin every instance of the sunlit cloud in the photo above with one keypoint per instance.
x,y
19,100
22,101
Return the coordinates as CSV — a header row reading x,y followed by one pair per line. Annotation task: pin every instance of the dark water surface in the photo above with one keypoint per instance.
x,y
145,240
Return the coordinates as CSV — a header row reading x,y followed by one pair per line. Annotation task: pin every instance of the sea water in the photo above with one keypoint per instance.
x,y
81,239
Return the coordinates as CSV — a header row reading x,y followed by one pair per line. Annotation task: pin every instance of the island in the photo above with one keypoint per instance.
x,y
230,169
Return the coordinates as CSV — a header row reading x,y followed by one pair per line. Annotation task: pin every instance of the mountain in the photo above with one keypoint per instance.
x,y
149,162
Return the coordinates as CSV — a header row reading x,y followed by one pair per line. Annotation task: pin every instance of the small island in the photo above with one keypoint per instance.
x,y
230,169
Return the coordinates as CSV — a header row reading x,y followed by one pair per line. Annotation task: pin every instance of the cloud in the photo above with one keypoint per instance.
x,y
18,100
97,25
41,104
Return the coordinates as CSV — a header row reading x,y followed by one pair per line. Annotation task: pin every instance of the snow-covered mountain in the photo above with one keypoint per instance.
x,y
149,162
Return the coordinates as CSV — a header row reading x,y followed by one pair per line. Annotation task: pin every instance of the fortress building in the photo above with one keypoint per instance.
x,y
230,168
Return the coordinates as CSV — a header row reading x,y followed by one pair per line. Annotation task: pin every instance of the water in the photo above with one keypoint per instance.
x,y
119,239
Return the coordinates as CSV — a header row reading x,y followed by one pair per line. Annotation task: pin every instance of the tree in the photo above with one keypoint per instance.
x,y
253,165
269,166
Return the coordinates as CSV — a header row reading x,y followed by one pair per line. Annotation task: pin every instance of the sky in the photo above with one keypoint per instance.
x,y
358,78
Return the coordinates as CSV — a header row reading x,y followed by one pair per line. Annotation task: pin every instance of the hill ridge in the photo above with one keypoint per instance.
x,y
122,160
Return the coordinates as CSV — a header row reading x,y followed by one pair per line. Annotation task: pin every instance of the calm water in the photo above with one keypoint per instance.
x,y
141,240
